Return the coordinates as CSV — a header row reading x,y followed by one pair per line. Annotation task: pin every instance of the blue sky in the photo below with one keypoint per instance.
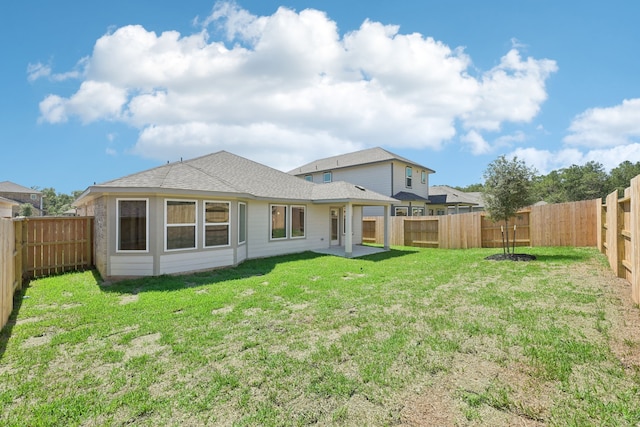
x,y
93,91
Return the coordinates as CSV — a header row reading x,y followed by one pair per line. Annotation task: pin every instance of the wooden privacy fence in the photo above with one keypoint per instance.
x,y
37,247
619,235
563,224
8,281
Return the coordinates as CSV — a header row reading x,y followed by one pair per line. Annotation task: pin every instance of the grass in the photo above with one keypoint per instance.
x,y
409,336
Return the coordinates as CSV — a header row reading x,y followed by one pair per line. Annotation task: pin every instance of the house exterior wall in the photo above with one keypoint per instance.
x,y
399,181
6,210
260,243
24,198
375,177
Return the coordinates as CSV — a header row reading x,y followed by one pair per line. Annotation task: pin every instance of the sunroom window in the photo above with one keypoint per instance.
x,y
216,224
180,224
297,221
278,221
132,227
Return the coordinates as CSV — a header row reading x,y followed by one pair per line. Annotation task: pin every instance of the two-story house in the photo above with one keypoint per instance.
x,y
12,192
378,170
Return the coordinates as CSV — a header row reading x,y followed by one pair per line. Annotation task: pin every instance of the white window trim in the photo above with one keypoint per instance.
x,y
125,251
286,223
242,242
308,178
166,226
205,223
304,236
423,177
408,175
395,210
324,175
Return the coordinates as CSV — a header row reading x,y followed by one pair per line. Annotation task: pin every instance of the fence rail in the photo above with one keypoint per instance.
x,y
37,247
563,224
619,235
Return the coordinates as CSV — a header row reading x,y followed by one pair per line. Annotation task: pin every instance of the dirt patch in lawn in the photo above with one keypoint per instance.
x,y
478,375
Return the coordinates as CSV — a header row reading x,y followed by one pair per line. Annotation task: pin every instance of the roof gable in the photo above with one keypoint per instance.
x,y
12,187
223,172
357,158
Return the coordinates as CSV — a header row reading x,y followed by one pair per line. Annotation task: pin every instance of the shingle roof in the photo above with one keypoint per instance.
x,y
12,187
224,172
406,196
450,195
363,157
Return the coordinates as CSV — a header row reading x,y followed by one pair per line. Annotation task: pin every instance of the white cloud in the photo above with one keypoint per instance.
x,y
37,71
606,127
545,160
290,80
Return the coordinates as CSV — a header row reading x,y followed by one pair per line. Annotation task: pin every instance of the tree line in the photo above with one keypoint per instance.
x,y
575,183
53,203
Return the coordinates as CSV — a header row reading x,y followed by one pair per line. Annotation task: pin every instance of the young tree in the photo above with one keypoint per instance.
x,y
26,209
507,188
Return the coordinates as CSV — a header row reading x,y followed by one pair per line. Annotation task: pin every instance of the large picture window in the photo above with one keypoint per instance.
x,y
180,224
297,221
242,223
278,222
132,227
216,224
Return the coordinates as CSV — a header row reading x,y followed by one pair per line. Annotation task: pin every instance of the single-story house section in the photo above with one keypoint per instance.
x,y
7,206
216,211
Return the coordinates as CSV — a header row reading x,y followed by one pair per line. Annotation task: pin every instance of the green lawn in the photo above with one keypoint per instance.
x,y
412,337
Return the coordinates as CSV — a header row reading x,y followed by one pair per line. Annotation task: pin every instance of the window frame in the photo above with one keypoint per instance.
x,y
408,177
423,177
246,222
271,222
324,177
205,224
118,240
304,223
308,178
167,225
401,208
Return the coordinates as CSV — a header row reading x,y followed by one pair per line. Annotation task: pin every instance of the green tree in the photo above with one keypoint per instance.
x,y
26,209
548,188
471,188
585,182
620,177
56,203
507,188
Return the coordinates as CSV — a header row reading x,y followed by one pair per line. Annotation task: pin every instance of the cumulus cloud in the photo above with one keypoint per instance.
x,y
546,161
606,127
291,83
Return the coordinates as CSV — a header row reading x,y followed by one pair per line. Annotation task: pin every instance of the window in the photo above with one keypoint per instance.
x,y
417,211
278,222
216,224
242,223
297,221
34,196
408,176
180,217
402,211
132,226
423,177
308,178
326,177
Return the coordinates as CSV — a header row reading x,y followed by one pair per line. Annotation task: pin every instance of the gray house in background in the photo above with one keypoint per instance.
x,y
447,200
379,170
13,195
216,211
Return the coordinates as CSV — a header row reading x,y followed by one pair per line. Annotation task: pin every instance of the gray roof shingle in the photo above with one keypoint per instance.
x,y
357,158
12,187
224,172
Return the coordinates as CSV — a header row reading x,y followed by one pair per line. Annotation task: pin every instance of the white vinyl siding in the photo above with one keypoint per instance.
x,y
130,265
195,261
373,177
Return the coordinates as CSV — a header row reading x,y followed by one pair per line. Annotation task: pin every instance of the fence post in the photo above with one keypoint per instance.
x,y
17,255
634,193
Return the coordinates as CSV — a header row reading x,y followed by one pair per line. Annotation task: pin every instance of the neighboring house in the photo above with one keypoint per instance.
x,y
21,195
6,207
380,171
447,200
215,211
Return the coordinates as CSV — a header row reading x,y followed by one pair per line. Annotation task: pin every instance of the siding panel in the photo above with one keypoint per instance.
x,y
194,261
127,265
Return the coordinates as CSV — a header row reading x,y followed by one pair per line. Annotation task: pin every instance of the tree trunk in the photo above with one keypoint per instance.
x,y
506,231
